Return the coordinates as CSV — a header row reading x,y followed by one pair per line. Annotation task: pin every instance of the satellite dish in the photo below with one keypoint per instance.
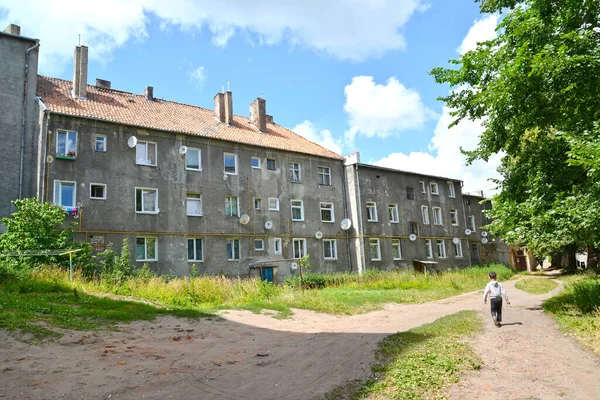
x,y
49,159
346,224
468,232
483,233
456,240
244,219
412,237
131,142
484,240
183,150
268,225
318,234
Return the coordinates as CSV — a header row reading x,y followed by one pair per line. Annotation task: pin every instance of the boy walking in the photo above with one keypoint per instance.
x,y
496,292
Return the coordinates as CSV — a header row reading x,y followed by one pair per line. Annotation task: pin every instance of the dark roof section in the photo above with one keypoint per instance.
x,y
406,172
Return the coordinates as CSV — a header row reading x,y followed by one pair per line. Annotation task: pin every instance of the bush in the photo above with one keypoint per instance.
x,y
116,269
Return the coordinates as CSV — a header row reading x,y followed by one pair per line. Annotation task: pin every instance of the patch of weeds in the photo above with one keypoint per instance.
x,y
536,285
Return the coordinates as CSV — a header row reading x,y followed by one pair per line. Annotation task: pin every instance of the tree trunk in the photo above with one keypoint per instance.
x,y
592,258
571,252
556,261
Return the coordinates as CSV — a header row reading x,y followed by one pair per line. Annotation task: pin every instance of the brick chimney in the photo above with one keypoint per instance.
x,y
13,30
220,106
102,83
149,93
258,114
228,107
80,71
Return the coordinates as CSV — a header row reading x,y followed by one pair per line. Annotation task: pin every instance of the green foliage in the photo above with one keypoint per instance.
x,y
117,269
536,285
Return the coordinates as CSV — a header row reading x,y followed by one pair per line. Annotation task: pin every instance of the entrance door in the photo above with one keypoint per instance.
x,y
267,274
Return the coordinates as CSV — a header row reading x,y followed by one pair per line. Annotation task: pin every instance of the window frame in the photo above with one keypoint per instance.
x,y
429,248
237,205
195,241
396,243
331,210
472,223
252,159
146,143
422,187
269,203
451,190
235,162
54,196
435,185
454,216
394,213
142,197
66,149
442,243
301,206
458,252
410,193
104,191
413,227
146,259
425,214
196,199
189,150
233,241
292,171
104,142
262,242
378,244
371,205
275,249
332,247
257,201
303,249
322,175
271,161
437,215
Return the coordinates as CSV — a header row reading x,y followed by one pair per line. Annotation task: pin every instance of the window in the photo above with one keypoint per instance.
x,y
324,176
257,203
393,212
437,216
425,214
451,192
195,250
230,163
66,143
277,245
193,203
396,249
231,206
193,159
273,204
428,248
374,249
64,193
98,191
327,212
371,211
146,200
410,193
422,185
297,210
233,249
458,249
299,247
255,162
329,249
259,244
145,249
434,188
472,223
454,217
295,173
145,153
413,227
100,143
271,164
441,247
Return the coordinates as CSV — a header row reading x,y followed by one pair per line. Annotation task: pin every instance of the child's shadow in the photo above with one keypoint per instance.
x,y
512,323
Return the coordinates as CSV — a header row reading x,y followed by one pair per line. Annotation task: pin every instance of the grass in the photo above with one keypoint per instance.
x,y
577,309
536,285
420,363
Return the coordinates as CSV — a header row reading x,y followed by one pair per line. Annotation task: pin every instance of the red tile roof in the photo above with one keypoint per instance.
x,y
134,109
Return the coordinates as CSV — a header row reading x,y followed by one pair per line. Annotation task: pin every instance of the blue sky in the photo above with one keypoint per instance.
x,y
349,74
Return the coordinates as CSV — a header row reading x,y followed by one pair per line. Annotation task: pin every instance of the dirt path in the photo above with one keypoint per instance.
x,y
249,356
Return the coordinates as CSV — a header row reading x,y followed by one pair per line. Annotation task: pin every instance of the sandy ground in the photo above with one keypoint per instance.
x,y
249,356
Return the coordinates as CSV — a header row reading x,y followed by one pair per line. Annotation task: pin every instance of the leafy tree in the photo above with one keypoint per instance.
x,y
535,86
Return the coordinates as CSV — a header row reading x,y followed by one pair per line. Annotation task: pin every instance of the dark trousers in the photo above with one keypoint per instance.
x,y
496,306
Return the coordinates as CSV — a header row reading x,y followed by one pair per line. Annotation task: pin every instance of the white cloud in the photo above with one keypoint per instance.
x,y
320,25
382,110
481,31
198,76
324,137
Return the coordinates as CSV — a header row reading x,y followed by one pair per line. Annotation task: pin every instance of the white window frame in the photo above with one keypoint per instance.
x,y
299,244
146,159
301,207
332,243
410,193
397,244
233,241
458,249
57,197
429,248
66,149
434,188
295,173
270,203
252,159
425,215
146,248
104,142
324,175
375,242
257,201
98,184
195,241
194,199
189,151
262,245
472,223
155,190
422,186
454,216
371,211
237,205
328,207
437,216
277,245
451,191
235,162
441,247
393,213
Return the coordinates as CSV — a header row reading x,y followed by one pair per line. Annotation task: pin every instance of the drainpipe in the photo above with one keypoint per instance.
x,y
345,205
43,150
462,200
360,222
25,81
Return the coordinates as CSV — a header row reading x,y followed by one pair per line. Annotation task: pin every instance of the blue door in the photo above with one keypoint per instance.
x,y
267,274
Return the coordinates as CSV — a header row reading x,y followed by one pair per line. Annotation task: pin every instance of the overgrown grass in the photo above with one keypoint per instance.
x,y
421,363
577,309
536,285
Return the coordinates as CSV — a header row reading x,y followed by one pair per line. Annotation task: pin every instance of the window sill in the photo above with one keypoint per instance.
x,y
153,260
194,215
237,259
195,261
65,157
145,165
328,222
230,173
97,198
147,212
394,222
375,259
372,220
330,259
297,220
193,169
398,259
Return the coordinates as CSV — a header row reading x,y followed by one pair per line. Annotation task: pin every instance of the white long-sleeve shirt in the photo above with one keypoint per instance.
x,y
495,290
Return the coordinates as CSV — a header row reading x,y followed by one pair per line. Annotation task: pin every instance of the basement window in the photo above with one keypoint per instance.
x,y
145,249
